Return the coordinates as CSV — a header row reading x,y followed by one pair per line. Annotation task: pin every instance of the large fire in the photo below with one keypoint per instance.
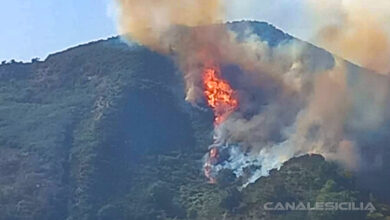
x,y
220,96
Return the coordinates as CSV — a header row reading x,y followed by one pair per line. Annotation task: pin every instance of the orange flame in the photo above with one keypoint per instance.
x,y
220,96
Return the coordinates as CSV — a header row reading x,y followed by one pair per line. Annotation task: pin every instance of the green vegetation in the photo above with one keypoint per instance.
x,y
102,131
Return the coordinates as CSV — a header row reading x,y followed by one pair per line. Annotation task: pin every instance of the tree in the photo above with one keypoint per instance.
x,y
34,60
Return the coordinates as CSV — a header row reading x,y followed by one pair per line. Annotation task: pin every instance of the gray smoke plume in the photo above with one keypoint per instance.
x,y
292,100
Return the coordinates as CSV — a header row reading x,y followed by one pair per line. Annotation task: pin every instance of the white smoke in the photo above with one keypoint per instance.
x,y
308,109
294,99
357,30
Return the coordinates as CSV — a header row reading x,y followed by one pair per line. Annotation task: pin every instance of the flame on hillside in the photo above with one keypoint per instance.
x,y
220,96
294,98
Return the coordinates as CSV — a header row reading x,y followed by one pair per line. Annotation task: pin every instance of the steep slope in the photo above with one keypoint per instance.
x,y
102,131
69,121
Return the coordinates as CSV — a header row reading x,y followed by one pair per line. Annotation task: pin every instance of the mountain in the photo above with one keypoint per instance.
x,y
102,131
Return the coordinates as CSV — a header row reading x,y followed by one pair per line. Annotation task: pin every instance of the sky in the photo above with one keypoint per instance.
x,y
37,28
288,15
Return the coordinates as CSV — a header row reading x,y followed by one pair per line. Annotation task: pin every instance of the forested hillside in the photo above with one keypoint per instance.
x,y
102,131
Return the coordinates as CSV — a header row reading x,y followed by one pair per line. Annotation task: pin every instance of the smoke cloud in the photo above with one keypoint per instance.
x,y
147,21
355,30
292,99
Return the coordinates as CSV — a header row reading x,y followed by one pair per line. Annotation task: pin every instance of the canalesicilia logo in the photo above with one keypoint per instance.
x,y
319,206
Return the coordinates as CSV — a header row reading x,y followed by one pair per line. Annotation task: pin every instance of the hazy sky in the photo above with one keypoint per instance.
x,y
288,15
36,28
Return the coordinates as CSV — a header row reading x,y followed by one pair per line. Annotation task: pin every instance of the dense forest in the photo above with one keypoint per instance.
x,y
102,131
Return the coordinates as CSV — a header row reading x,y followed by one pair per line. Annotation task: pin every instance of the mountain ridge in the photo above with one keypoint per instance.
x,y
258,28
102,131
